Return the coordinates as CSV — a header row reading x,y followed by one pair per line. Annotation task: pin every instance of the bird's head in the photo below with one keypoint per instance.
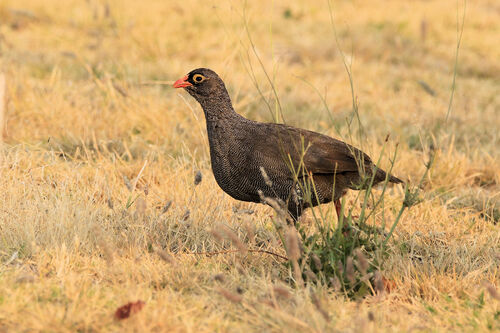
x,y
201,83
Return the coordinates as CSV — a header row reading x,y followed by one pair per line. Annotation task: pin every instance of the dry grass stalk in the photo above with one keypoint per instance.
x,y
136,179
234,239
292,244
186,215
310,275
235,298
379,282
293,250
217,235
120,89
335,283
166,207
317,261
212,253
363,263
269,302
104,245
267,180
165,256
349,270
140,207
492,290
282,292
14,256
110,203
25,278
106,251
340,268
250,230
276,205
127,183
317,304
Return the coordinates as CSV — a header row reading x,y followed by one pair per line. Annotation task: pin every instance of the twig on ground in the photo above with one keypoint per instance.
x,y
211,253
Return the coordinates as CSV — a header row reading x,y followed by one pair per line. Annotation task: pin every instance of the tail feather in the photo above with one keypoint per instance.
x,y
381,175
395,180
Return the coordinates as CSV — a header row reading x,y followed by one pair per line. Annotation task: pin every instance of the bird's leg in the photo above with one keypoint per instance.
x,y
345,227
338,206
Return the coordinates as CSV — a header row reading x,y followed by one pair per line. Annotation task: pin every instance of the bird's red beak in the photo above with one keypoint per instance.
x,y
182,83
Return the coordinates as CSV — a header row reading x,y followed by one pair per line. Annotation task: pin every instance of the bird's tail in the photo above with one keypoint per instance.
x,y
381,174
395,180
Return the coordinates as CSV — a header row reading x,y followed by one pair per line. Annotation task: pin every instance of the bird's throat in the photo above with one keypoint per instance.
x,y
218,108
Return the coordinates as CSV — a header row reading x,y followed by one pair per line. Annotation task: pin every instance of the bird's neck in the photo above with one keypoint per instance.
x,y
222,124
218,108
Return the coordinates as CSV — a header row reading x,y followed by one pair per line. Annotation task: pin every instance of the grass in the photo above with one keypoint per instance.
x,y
77,241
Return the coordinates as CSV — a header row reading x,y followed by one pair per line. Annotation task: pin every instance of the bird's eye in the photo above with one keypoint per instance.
x,y
198,78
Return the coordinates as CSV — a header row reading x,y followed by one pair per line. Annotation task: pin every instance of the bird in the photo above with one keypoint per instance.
x,y
255,161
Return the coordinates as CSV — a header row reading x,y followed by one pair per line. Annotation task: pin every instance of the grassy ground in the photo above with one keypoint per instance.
x,y
81,122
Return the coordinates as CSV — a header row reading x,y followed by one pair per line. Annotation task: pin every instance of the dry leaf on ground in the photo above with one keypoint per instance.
x,y
125,311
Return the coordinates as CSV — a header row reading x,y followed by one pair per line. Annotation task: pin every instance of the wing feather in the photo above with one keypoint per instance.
x,y
323,154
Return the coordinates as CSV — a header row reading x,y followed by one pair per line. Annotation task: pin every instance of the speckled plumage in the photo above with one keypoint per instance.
x,y
240,148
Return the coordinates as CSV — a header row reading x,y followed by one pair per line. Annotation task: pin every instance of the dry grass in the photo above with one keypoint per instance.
x,y
78,121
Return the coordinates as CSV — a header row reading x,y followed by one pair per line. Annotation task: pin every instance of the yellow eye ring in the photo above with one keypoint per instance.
x,y
198,78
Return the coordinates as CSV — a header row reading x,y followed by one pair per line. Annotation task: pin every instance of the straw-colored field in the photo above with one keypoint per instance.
x,y
82,121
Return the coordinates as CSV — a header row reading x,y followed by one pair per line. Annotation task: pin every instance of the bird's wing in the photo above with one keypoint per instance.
x,y
327,155
317,153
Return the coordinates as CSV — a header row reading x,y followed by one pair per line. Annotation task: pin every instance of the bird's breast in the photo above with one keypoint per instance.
x,y
231,169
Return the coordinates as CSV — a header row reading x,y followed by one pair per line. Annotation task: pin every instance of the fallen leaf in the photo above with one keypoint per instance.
x,y
125,311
